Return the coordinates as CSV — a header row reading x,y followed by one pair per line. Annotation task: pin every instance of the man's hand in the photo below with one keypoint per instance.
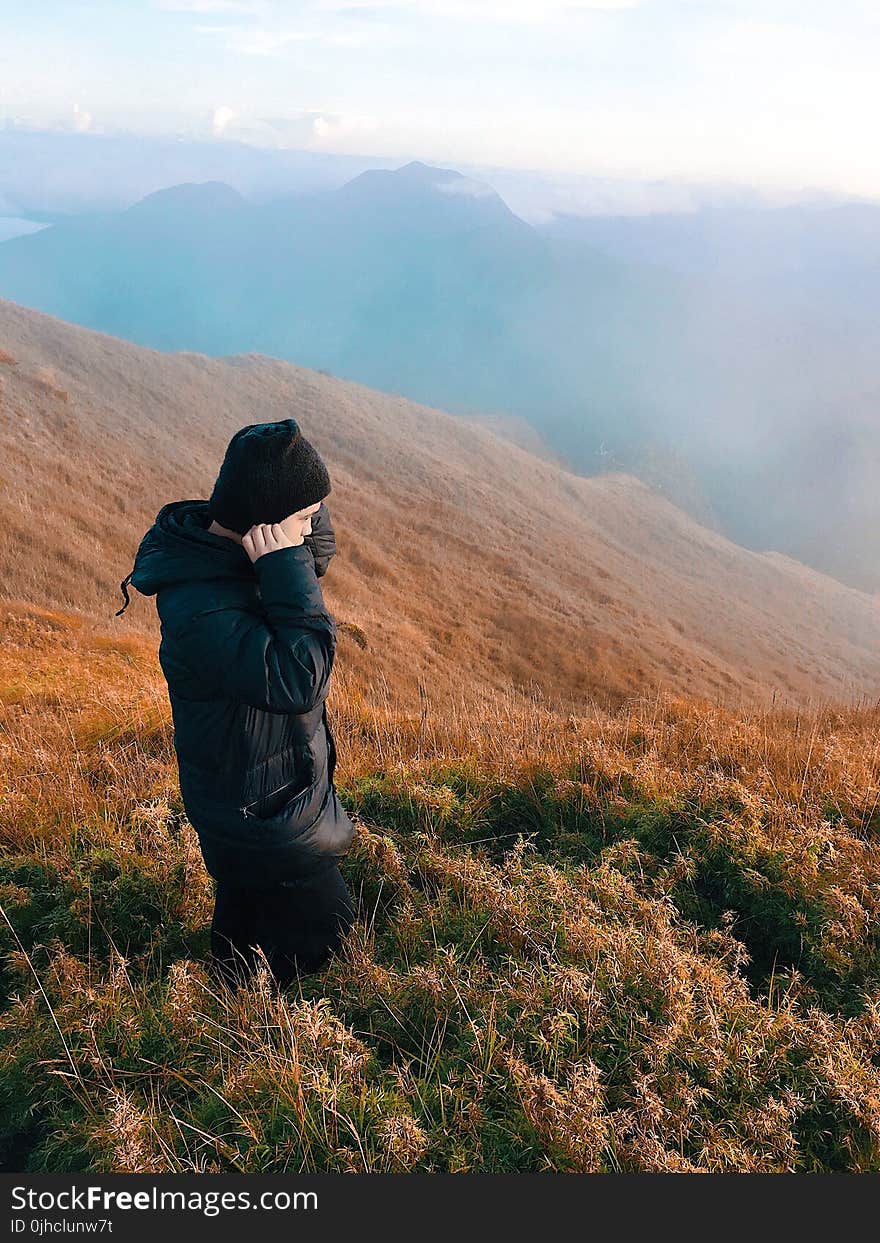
x,y
266,537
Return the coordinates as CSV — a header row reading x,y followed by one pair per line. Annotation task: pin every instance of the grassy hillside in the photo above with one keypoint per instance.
x,y
458,549
643,939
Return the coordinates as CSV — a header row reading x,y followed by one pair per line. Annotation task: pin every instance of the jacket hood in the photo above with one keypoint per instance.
x,y
178,547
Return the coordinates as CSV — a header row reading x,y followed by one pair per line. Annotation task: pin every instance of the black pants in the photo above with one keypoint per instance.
x,y
297,925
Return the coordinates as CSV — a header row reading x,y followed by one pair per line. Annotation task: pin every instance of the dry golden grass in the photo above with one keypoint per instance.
x,y
459,549
637,939
618,893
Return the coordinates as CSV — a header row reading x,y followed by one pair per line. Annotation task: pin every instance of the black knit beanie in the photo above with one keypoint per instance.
x,y
270,470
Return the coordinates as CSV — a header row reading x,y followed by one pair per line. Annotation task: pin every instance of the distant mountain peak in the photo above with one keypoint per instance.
x,y
192,195
423,182
418,171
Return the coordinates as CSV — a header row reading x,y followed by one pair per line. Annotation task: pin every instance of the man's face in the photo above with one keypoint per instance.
x,y
299,523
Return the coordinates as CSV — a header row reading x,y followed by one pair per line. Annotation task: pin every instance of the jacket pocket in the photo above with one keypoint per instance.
x,y
294,816
277,802
275,783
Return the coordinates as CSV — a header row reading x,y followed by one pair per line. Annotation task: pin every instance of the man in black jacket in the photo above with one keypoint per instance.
x,y
247,650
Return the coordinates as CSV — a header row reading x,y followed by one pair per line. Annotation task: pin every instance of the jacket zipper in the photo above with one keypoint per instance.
x,y
246,807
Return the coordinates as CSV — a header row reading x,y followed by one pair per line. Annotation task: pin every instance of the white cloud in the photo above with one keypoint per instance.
x,y
82,120
330,130
222,116
306,129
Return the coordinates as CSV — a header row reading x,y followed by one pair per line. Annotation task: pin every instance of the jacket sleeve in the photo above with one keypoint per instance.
x,y
322,540
280,663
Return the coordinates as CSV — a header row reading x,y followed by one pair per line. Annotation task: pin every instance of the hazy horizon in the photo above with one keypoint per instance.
x,y
59,170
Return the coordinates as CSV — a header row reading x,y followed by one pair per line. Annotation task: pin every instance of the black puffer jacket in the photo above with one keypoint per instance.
x,y
247,650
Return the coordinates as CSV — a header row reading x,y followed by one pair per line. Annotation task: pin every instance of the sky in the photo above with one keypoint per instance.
x,y
775,93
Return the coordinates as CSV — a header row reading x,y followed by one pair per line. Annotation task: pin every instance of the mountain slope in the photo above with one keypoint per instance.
x,y
725,356
465,560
